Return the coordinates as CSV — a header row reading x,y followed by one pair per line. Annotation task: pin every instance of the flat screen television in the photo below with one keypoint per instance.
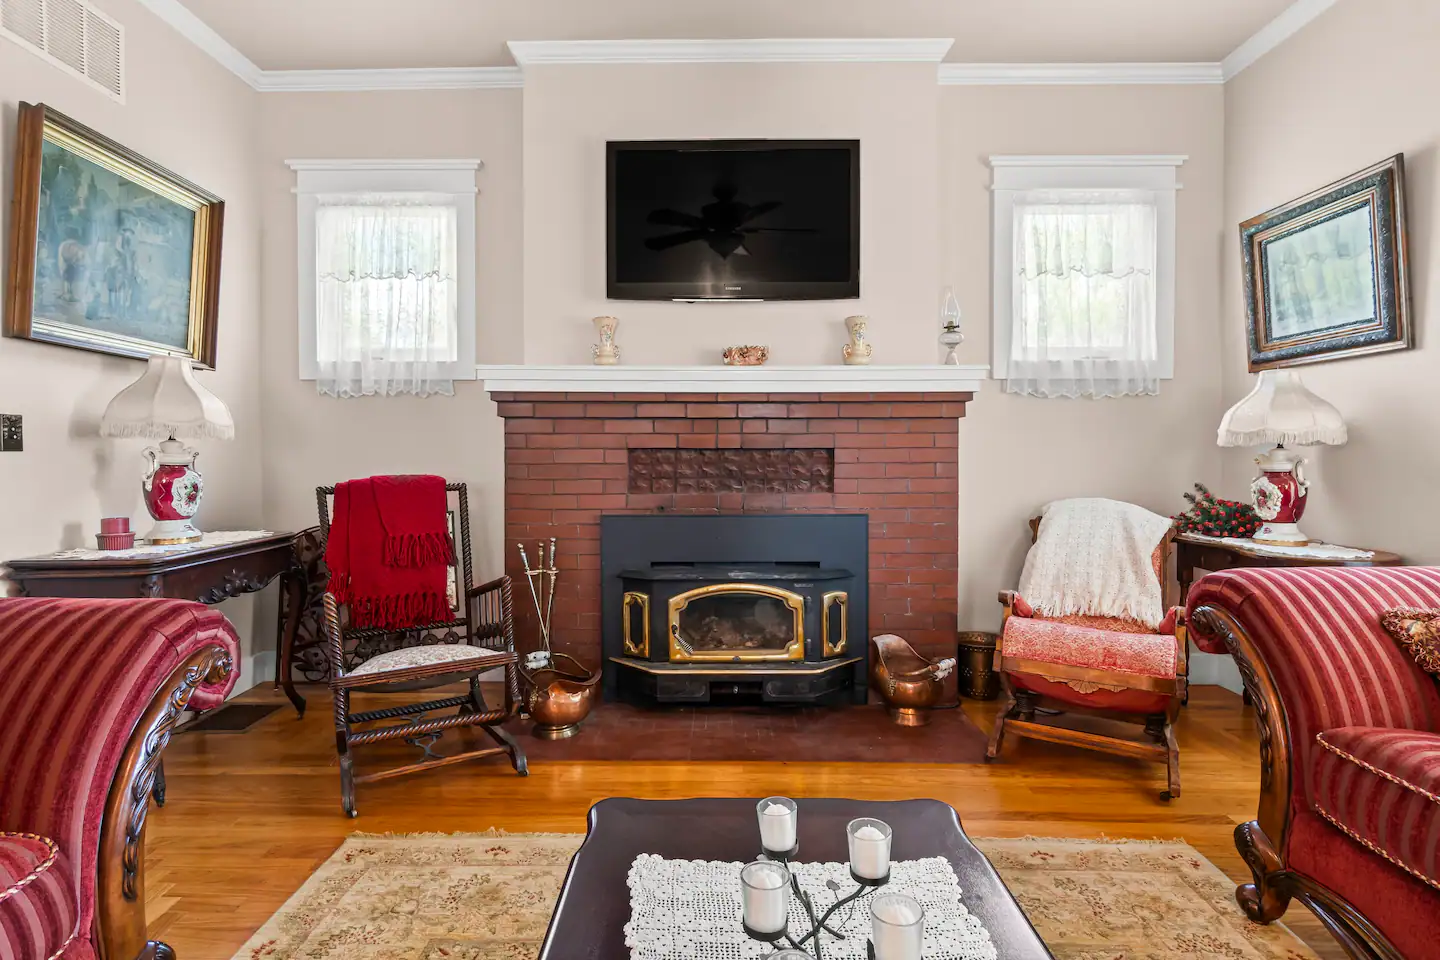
x,y
733,220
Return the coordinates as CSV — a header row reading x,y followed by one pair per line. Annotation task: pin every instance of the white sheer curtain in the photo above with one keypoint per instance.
x,y
387,298
1084,321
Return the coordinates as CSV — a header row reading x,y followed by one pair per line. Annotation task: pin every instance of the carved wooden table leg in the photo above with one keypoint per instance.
x,y
292,582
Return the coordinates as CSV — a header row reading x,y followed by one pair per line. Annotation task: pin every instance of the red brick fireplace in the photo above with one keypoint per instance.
x,y
572,457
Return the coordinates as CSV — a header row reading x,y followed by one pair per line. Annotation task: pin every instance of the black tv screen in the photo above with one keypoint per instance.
x,y
734,220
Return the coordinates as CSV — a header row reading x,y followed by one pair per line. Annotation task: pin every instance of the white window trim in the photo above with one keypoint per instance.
x,y
455,178
1016,174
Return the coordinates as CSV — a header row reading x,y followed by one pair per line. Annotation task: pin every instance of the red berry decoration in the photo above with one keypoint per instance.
x,y
1212,516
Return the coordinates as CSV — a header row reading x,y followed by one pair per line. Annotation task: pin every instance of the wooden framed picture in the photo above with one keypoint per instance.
x,y
1327,275
108,251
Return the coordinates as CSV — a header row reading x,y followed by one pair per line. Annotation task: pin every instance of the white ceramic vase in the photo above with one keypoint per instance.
x,y
606,353
858,351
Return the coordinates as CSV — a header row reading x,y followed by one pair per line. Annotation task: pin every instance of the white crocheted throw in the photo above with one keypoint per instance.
x,y
1093,558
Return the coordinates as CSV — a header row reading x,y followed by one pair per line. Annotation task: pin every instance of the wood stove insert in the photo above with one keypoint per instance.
x,y
768,608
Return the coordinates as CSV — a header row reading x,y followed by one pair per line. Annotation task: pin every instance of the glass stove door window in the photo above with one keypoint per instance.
x,y
387,298
1084,320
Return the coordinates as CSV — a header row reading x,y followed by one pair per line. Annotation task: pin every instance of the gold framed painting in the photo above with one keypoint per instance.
x,y
109,251
1327,275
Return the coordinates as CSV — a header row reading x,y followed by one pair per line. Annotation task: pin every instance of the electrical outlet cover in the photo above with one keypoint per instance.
x,y
12,437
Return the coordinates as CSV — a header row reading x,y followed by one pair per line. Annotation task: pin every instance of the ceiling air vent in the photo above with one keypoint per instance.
x,y
74,36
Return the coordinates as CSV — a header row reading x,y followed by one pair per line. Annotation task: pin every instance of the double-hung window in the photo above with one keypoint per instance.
x,y
387,262
1084,275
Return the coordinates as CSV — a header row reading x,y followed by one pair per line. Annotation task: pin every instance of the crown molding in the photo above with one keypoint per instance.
x,y
1291,21
1076,74
198,32
417,78
860,50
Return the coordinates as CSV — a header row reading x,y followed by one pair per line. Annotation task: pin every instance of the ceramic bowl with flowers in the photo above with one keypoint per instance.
x,y
746,356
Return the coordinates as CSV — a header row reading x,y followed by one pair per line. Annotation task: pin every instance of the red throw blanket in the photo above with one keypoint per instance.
x,y
389,549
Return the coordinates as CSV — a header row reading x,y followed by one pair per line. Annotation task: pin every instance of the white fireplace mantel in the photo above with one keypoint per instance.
x,y
721,379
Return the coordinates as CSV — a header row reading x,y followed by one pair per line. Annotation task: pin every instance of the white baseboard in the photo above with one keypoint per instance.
x,y
1215,669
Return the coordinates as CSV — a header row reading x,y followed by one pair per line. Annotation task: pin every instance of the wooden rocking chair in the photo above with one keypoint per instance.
x,y
479,637
1111,686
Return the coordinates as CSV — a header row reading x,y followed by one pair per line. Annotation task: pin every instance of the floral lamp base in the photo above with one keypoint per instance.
x,y
172,493
1280,494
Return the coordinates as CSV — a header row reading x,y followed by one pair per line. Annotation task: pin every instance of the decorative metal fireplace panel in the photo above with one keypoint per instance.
x,y
699,605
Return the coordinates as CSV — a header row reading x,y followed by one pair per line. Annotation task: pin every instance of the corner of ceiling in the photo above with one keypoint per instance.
x,y
1291,21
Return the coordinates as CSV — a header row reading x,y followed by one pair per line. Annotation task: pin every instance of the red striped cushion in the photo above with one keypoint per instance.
x,y
75,675
39,914
1383,788
1318,630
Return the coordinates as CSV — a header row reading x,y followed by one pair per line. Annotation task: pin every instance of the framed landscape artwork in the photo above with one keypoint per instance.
x,y
108,251
1326,276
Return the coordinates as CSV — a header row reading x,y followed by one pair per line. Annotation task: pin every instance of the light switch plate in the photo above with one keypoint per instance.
x,y
12,434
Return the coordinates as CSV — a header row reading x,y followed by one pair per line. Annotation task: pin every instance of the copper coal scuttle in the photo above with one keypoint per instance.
x,y
911,684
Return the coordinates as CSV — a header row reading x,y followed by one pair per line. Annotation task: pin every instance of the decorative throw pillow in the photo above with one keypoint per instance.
x,y
1419,632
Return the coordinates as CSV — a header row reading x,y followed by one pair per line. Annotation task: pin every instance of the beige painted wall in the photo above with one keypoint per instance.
x,y
570,111
313,440
1354,87
186,113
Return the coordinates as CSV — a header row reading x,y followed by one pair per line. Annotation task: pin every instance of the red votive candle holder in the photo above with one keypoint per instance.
x,y
115,525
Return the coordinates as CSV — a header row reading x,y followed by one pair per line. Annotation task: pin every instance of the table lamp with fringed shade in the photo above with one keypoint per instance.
x,y
1281,410
167,404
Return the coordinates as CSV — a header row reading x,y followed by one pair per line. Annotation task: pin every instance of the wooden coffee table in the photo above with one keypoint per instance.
x,y
589,918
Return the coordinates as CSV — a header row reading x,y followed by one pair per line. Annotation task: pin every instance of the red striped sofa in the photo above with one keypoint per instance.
x,y
92,690
1349,819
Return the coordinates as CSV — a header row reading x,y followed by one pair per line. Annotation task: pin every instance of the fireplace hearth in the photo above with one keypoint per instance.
x,y
766,608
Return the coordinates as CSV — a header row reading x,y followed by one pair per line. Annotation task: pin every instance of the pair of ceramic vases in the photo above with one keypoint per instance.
x,y
856,353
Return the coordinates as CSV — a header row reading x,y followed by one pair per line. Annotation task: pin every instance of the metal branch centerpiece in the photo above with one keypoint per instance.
x,y
767,887
560,690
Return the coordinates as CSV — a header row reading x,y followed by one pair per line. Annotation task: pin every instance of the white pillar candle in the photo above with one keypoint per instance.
x,y
777,827
897,927
765,896
869,848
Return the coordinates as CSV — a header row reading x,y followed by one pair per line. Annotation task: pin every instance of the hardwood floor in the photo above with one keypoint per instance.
x,y
251,815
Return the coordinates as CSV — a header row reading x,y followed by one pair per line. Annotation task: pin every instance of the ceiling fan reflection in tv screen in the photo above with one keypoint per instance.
x,y
733,220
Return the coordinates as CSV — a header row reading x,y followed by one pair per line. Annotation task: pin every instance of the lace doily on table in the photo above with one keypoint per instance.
x,y
218,538
1315,551
690,910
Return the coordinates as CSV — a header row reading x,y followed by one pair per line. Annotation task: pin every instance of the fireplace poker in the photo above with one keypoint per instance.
x,y
550,604
541,657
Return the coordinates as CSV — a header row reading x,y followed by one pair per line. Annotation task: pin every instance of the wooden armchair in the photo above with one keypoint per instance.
x,y
1094,667
478,637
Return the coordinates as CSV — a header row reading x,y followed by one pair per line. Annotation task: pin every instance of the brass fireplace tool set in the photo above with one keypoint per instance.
x,y
559,694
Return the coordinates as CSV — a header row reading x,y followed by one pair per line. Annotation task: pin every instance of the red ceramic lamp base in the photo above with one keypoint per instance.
x,y
172,493
1280,494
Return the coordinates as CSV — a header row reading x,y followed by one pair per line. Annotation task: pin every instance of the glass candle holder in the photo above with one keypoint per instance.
x,y
869,848
779,817
765,898
897,927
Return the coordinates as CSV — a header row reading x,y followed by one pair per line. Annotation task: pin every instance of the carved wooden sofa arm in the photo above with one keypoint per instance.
x,y
1305,641
111,679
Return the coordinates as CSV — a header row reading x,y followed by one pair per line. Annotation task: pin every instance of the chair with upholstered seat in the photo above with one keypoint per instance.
x,y
478,636
1111,668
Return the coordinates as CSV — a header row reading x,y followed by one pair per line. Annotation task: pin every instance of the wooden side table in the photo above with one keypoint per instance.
x,y
223,565
1202,553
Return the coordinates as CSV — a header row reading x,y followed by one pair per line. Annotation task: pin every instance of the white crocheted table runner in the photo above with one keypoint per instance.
x,y
217,538
1313,550
691,909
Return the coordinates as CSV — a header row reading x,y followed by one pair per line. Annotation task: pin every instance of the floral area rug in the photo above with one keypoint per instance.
x,y
489,897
